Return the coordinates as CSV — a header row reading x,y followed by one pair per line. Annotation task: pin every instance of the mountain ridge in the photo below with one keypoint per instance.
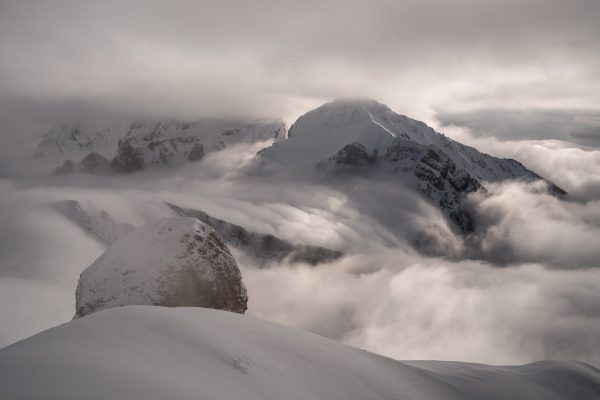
x,y
124,148
362,136
265,248
343,136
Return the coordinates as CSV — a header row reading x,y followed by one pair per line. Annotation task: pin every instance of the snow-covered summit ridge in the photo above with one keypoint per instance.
x,y
176,143
359,137
134,146
345,114
142,352
211,129
175,262
324,131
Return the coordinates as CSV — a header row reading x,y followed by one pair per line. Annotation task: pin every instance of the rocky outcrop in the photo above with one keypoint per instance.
x,y
173,262
128,158
355,154
427,168
264,248
68,167
94,163
196,153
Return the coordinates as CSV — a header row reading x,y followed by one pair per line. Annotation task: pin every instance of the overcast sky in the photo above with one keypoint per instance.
x,y
73,59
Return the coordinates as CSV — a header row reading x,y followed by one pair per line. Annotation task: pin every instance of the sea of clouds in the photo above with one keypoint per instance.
x,y
524,287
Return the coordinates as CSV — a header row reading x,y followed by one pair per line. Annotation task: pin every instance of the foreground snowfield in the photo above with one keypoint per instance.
x,y
145,352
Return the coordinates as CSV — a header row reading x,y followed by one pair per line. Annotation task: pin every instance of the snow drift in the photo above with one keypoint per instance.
x,y
141,352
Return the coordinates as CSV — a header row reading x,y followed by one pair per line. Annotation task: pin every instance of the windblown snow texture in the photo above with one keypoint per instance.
x,y
144,353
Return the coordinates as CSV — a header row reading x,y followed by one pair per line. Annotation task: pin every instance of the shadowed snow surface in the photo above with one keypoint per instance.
x,y
145,352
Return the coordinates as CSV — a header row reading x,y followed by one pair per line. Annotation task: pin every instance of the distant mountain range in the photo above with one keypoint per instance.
x,y
124,148
341,139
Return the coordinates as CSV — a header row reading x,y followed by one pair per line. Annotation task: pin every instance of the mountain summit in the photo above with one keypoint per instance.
x,y
367,137
324,131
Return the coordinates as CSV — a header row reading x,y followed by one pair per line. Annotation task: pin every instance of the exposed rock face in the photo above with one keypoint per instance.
x,y
94,163
262,247
197,153
425,167
68,167
355,154
173,262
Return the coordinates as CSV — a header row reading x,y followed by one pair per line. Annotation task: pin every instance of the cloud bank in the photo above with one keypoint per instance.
x,y
280,58
576,126
524,288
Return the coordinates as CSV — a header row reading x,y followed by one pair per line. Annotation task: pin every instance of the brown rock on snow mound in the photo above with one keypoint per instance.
x,y
173,262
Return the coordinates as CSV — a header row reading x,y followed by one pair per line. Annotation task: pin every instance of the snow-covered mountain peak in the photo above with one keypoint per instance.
x,y
345,137
351,113
336,113
323,131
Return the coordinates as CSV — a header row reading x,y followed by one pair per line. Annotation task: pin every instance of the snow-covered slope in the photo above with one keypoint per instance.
x,y
424,168
177,261
176,143
367,138
80,147
145,353
322,132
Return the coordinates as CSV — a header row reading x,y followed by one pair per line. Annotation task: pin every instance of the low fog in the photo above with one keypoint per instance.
x,y
525,286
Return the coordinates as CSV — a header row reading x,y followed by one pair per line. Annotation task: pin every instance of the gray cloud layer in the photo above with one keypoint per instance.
x,y
383,296
577,126
187,58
